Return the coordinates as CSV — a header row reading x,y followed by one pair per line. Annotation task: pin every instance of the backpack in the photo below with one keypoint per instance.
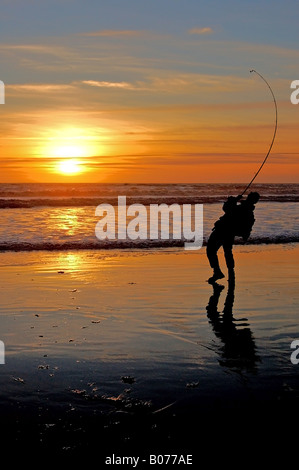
x,y
243,220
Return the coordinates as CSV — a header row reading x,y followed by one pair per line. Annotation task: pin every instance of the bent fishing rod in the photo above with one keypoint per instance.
x,y
274,134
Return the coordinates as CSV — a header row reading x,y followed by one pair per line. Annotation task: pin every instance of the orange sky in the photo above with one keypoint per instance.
x,y
95,107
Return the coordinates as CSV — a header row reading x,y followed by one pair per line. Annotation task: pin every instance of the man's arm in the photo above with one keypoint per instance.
x,y
231,203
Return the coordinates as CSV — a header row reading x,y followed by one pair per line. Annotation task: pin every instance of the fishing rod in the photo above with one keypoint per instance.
x,y
274,134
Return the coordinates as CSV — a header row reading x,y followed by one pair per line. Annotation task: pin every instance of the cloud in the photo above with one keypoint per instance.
x,y
206,30
40,87
112,33
103,84
34,48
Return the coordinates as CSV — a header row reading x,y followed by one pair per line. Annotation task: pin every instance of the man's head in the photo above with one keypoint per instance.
x,y
253,197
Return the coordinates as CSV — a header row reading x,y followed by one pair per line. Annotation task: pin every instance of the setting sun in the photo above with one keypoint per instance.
x,y
70,151
69,167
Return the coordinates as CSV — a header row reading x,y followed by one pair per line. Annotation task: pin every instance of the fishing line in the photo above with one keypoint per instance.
x,y
274,134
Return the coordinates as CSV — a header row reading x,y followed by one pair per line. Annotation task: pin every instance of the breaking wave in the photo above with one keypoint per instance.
x,y
130,244
62,216
79,195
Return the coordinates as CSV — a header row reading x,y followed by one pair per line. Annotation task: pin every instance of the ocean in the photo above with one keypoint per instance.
x,y
121,347
56,216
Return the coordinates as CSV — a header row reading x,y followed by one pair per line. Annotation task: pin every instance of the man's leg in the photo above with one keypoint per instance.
x,y
213,245
229,257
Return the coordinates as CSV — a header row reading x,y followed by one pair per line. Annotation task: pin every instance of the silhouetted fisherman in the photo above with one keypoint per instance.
x,y
238,220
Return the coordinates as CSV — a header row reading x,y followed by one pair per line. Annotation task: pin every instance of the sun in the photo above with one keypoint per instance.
x,y
68,163
69,151
69,167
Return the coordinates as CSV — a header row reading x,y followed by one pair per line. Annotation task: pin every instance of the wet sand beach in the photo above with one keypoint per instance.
x,y
129,352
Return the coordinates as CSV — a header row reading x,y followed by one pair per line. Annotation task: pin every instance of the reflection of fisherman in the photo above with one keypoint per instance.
x,y
238,349
238,220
